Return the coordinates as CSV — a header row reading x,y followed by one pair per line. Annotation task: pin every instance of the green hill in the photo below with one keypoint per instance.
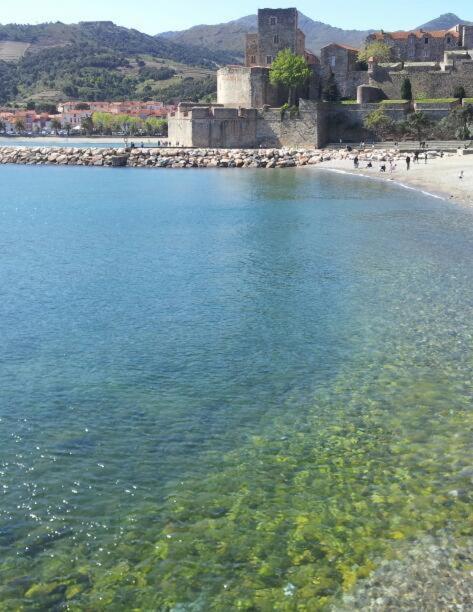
x,y
99,60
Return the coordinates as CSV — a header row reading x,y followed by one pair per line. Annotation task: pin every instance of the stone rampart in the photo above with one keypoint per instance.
x,y
425,83
236,128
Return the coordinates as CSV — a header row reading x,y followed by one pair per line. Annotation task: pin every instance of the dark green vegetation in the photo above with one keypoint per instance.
x,y
406,89
102,61
458,124
290,71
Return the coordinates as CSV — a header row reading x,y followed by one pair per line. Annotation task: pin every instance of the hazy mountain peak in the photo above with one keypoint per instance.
x,y
444,22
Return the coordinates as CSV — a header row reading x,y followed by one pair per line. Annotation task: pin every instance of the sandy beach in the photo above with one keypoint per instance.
x,y
440,176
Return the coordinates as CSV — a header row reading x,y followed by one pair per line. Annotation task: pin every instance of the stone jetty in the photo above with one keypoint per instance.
x,y
189,158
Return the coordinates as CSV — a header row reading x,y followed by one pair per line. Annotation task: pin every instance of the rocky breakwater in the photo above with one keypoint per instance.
x,y
196,158
164,157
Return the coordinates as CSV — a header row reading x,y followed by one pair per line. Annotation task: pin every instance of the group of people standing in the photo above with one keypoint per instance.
x,y
392,164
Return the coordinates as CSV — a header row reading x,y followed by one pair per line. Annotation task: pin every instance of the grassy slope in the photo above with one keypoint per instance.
x,y
60,57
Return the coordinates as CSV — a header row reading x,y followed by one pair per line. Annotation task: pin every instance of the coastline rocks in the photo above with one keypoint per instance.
x,y
193,158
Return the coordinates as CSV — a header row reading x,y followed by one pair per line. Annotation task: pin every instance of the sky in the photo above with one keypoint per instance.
x,y
155,16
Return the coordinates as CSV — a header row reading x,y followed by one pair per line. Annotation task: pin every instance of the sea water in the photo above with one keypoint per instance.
x,y
226,389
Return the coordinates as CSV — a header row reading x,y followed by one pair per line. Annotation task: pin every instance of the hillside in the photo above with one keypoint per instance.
x,y
231,36
99,60
444,22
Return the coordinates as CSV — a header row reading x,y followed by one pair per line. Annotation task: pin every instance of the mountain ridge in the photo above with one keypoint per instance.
x,y
230,36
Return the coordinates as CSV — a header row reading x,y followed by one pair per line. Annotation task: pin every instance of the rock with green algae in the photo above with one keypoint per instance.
x,y
38,591
73,591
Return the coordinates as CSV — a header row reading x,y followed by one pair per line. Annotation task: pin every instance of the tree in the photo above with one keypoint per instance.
x,y
68,128
459,92
19,125
406,89
330,91
381,51
156,127
56,124
418,124
379,123
87,125
291,71
458,124
82,106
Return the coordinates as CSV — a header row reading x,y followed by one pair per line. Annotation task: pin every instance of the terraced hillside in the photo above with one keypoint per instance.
x,y
99,60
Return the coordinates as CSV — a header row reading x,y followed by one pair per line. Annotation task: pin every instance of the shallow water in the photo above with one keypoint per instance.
x,y
226,390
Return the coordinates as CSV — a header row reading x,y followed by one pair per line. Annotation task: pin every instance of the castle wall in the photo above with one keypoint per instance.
x,y
419,46
249,128
342,63
239,86
426,83
304,129
345,121
234,86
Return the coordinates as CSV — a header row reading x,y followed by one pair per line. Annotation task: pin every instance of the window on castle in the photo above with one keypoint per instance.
x,y
253,59
333,61
449,40
276,39
273,21
269,59
426,41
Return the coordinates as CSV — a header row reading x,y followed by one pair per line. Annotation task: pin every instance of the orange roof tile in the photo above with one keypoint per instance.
x,y
404,35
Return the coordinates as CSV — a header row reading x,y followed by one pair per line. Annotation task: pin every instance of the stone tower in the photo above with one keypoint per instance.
x,y
278,29
467,36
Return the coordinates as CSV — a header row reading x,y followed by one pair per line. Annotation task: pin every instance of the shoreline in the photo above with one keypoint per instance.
x,y
382,179
438,178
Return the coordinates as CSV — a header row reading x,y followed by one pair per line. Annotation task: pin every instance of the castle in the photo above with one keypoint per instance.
x,y
248,86
247,113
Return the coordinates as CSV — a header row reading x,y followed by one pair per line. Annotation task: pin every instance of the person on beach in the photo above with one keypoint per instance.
x,y
356,162
425,158
408,162
462,174
369,165
416,157
383,168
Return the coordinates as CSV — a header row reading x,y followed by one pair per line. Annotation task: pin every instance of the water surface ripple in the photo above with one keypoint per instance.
x,y
226,390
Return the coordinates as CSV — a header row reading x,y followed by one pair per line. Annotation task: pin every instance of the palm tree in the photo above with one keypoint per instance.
x,y
68,128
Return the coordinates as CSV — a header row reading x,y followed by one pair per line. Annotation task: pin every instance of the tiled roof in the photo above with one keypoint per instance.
x,y
404,35
347,47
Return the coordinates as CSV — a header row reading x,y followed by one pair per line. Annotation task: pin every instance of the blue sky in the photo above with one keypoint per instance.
x,y
154,16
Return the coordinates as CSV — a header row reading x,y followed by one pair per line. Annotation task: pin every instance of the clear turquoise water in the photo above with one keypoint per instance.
x,y
226,390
